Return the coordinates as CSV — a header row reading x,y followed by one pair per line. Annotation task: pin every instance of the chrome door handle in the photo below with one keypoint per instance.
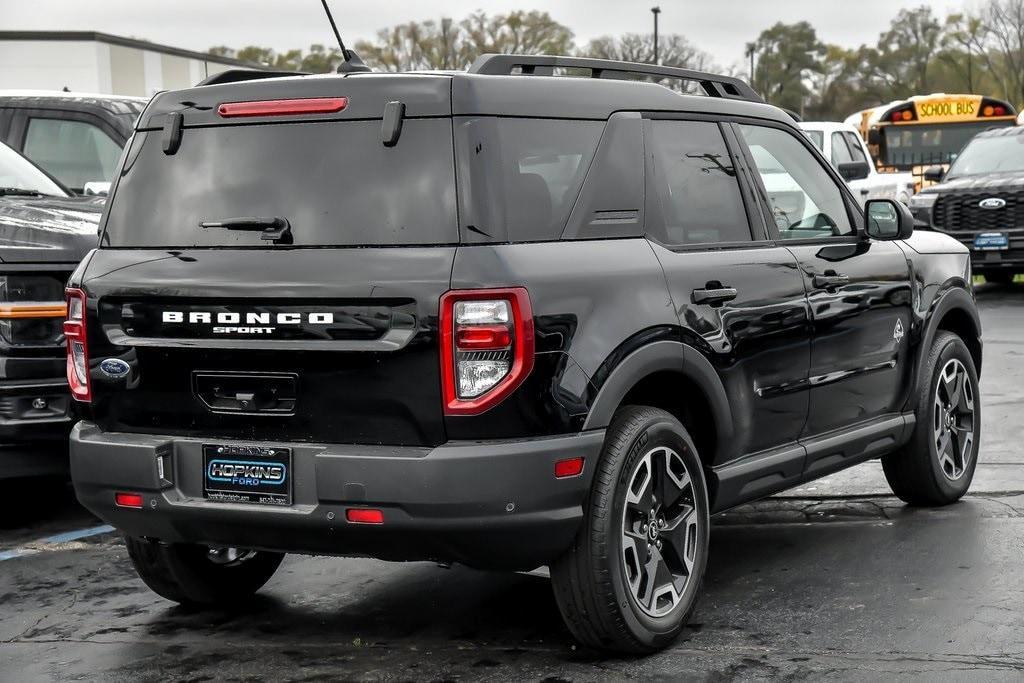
x,y
718,295
831,280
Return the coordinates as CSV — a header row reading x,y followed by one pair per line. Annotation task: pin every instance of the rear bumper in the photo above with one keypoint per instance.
x,y
489,504
33,411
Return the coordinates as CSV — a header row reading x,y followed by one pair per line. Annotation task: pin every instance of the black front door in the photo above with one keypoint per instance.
x,y
858,289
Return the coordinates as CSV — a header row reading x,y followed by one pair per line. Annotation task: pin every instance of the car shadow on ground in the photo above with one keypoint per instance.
x,y
322,608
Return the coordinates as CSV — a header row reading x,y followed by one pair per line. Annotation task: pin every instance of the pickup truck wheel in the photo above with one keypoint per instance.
x,y
200,576
632,576
937,464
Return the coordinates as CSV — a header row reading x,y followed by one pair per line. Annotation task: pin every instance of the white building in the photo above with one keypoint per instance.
x,y
87,61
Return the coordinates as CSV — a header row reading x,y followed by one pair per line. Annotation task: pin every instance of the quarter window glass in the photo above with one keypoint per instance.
x,y
840,153
696,185
75,152
804,200
518,178
856,150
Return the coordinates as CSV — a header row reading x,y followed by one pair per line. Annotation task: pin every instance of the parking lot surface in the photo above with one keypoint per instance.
x,y
835,579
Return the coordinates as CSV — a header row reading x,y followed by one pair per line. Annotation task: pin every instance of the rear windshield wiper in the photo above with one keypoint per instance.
x,y
272,228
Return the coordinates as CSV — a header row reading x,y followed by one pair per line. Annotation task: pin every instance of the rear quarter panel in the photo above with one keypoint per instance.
x,y
589,298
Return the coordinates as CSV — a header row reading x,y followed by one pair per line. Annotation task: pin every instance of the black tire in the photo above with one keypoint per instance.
x,y
915,473
590,581
185,573
999,277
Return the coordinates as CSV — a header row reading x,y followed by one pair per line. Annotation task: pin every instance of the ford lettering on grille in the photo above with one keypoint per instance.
x,y
992,203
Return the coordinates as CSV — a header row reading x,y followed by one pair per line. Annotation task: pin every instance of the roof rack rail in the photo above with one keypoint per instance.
x,y
238,75
714,85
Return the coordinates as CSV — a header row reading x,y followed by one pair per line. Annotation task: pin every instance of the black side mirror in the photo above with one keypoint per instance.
x,y
933,174
854,170
888,219
874,136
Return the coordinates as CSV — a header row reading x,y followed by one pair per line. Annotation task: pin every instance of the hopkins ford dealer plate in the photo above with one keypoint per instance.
x,y
247,474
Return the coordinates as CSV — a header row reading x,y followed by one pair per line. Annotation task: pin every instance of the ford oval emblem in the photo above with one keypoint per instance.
x,y
114,368
992,203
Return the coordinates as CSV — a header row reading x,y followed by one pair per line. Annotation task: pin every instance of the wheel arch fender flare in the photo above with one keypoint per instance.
x,y
660,356
959,300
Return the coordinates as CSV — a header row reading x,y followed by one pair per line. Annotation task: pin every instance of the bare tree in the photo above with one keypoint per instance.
x,y
1005,22
673,50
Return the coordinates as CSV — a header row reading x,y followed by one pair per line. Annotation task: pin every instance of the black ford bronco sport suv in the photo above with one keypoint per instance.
x,y
506,318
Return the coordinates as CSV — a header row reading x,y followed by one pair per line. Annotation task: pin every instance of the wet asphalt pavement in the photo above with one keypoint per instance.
x,y
834,580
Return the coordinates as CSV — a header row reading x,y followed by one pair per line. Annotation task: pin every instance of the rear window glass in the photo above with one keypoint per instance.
x,y
335,183
519,178
695,182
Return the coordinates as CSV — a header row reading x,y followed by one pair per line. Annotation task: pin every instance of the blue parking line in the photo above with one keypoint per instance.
x,y
80,533
33,546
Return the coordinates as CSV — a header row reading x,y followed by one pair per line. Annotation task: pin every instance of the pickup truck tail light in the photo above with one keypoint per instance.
x,y
487,347
78,346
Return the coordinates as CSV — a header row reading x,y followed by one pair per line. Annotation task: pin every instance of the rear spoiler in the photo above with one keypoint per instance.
x,y
239,75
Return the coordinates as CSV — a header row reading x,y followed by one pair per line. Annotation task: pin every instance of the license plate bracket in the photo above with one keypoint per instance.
x,y
247,474
991,241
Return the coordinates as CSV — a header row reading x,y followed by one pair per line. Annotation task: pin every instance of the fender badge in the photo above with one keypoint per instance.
x,y
114,368
897,334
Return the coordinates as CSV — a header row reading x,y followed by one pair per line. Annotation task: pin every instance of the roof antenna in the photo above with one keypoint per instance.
x,y
351,63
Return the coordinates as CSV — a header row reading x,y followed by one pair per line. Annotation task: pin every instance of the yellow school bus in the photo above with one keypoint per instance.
x,y
927,130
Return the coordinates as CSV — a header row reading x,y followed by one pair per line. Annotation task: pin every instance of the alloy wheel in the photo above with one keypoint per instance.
x,y
953,419
660,531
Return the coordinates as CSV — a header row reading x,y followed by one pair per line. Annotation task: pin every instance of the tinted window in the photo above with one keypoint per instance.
x,y
696,185
804,199
334,182
518,178
840,153
75,152
18,172
853,141
1000,154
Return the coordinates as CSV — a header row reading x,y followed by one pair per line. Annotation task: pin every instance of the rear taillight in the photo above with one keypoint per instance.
x,y
78,346
486,347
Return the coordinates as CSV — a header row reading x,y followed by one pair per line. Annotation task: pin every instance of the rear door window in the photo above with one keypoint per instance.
x,y
696,185
334,182
519,178
74,152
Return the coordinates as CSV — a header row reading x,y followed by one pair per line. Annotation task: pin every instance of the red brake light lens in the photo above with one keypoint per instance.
x,y
311,105
77,345
487,347
364,516
483,337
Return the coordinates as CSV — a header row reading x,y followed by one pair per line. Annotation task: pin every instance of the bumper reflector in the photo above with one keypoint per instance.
x,y
128,500
364,516
568,468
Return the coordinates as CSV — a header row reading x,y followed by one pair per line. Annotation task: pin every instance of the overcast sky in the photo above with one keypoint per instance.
x,y
720,27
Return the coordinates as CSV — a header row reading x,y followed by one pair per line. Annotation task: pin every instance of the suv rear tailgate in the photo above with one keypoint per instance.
x,y
355,351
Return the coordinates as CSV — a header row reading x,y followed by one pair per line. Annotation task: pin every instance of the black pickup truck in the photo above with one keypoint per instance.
x,y
980,201
45,230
